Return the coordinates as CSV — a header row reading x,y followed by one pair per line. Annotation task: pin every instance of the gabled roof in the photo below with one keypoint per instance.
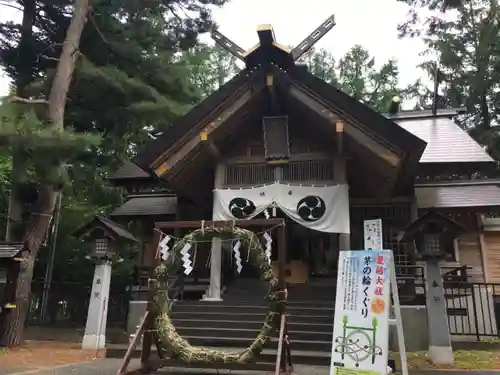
x,y
10,250
109,226
129,171
187,123
446,141
352,108
403,148
431,217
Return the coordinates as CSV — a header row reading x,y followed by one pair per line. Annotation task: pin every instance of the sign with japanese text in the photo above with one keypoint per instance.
x,y
361,327
373,234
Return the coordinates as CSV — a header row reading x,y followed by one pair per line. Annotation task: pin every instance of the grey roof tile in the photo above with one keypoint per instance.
x,y
10,250
107,225
458,196
129,171
446,141
117,229
147,206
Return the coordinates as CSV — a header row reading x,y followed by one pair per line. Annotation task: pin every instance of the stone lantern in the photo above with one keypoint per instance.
x,y
106,237
433,235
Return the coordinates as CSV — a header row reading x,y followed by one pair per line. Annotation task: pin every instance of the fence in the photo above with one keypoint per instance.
x,y
472,307
473,312
68,303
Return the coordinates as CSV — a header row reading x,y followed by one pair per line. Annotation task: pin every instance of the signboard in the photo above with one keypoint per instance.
x,y
361,327
373,234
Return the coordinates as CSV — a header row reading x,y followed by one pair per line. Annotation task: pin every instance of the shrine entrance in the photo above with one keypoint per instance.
x,y
310,254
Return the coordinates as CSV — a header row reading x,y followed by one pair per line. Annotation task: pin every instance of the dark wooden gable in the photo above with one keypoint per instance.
x,y
273,86
378,145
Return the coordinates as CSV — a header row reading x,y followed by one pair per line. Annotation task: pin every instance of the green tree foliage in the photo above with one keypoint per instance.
x,y
466,40
129,82
357,74
210,67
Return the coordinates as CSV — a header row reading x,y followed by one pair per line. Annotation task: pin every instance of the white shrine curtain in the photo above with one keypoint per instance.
x,y
321,208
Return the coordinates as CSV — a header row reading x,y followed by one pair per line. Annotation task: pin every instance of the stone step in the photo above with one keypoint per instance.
x,y
251,333
229,300
299,357
245,316
254,324
188,306
241,342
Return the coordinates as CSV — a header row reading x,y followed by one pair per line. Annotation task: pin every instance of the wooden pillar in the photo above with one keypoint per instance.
x,y
340,176
282,259
213,293
149,324
483,249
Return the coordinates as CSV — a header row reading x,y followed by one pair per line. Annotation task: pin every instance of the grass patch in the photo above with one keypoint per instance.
x,y
464,360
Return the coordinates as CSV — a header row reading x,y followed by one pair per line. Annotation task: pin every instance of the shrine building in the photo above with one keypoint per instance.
x,y
276,141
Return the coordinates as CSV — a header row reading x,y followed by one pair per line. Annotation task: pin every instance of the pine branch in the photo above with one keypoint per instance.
x,y
18,100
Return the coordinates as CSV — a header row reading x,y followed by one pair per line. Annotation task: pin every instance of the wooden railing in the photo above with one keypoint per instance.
x,y
244,174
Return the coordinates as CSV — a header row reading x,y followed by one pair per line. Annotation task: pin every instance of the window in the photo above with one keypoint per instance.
x,y
432,243
101,246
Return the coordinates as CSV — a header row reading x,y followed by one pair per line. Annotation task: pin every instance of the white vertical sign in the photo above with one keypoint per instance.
x,y
361,327
373,234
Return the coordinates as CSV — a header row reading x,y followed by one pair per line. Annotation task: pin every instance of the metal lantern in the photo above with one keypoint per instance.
x,y
433,234
433,244
105,235
103,247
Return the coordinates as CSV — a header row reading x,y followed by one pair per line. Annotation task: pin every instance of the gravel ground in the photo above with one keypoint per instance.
x,y
110,366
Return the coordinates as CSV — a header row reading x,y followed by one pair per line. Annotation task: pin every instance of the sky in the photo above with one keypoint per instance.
x,y
367,22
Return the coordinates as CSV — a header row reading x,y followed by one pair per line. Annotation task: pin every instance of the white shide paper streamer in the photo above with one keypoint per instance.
x,y
237,256
186,261
164,248
267,245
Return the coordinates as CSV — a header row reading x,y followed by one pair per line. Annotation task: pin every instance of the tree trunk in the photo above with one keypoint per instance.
x,y
12,322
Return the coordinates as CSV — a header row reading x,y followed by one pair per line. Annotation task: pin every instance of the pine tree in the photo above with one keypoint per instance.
x,y
128,82
468,48
46,145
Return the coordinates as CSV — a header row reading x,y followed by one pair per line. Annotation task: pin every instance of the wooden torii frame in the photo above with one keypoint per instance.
x,y
146,327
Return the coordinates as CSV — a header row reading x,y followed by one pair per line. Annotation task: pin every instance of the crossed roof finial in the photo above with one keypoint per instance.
x,y
266,37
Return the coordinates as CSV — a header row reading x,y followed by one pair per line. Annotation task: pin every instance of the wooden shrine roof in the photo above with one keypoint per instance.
x,y
129,171
294,76
147,205
10,250
116,230
240,100
272,84
198,114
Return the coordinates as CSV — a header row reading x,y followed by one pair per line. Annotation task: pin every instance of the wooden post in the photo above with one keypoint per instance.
x,y
282,258
340,176
282,254
483,248
214,290
149,325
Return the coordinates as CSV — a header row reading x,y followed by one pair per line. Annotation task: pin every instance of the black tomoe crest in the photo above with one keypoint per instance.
x,y
241,208
311,208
